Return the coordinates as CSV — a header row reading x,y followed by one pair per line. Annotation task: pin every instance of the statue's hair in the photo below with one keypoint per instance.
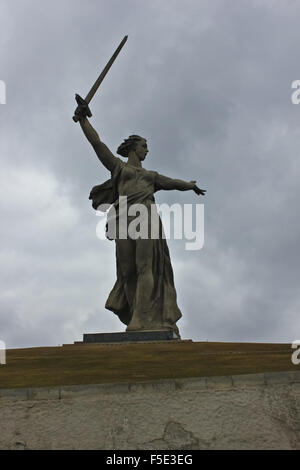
x,y
128,145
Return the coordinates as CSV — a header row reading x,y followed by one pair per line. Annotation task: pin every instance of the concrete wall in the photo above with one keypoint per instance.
x,y
256,411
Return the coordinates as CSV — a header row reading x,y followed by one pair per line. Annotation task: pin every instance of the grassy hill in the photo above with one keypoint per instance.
x,y
92,363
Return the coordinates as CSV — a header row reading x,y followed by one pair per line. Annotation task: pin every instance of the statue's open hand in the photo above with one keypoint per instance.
x,y
197,190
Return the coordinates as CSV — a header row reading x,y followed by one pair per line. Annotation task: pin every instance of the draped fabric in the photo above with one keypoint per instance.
x,y
106,193
144,295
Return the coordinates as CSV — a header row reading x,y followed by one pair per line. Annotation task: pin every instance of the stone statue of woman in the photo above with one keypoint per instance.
x,y
144,295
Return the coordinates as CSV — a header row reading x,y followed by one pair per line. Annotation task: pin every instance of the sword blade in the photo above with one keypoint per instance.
x,y
99,80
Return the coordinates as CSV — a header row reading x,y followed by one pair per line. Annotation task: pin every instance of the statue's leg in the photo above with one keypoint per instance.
x,y
125,252
155,304
147,312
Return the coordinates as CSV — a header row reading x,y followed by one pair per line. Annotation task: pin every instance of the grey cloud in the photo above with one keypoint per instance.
x,y
208,84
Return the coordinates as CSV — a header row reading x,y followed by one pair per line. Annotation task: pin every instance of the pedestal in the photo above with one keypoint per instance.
x,y
131,336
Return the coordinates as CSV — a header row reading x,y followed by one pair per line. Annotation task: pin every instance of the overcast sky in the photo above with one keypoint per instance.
x,y
208,84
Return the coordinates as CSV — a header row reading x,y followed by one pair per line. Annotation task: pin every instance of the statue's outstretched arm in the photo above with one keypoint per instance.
x,y
166,183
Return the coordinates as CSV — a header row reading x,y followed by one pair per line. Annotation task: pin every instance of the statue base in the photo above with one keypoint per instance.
x,y
131,336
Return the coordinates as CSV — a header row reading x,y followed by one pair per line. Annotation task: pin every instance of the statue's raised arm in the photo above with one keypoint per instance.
x,y
103,153
83,111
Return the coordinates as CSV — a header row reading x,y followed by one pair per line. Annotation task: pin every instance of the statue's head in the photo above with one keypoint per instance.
x,y
136,144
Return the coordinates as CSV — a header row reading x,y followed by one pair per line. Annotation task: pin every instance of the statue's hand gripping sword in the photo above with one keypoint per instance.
x,y
89,96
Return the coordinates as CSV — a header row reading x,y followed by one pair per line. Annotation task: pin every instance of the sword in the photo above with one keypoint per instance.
x,y
98,82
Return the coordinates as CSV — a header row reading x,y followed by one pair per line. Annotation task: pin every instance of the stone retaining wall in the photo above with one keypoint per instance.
x,y
255,411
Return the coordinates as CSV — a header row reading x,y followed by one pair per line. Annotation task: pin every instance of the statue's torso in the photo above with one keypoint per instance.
x,y
134,180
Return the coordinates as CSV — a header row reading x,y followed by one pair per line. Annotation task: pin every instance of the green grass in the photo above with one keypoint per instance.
x,y
91,364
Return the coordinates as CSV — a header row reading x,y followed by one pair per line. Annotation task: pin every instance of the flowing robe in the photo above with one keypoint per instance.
x,y
144,295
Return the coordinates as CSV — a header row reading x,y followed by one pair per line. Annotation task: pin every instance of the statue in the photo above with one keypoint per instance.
x,y
144,295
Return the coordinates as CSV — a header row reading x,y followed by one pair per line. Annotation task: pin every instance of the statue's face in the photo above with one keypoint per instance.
x,y
141,149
